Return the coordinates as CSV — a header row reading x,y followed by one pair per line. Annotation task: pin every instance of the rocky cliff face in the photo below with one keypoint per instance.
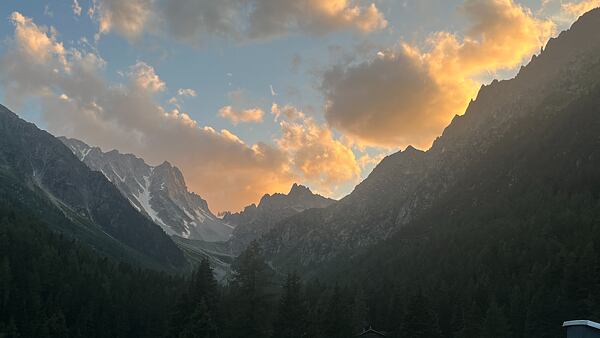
x,y
39,173
159,192
255,220
408,184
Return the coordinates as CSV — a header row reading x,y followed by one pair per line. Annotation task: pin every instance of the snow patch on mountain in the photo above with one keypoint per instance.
x,y
159,192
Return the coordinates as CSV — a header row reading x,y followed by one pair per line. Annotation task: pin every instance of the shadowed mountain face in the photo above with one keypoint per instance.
x,y
538,130
254,221
39,173
159,192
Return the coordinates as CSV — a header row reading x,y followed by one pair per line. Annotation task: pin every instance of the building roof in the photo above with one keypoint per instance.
x,y
371,331
582,323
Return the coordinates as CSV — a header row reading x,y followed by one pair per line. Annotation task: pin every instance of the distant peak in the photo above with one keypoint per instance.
x,y
298,188
411,149
165,164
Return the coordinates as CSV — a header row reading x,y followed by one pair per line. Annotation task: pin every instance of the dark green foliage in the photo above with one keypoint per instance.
x,y
420,320
494,324
291,318
338,317
52,286
251,295
196,314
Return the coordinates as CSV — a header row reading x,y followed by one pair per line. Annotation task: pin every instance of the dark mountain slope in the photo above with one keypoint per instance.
x,y
523,117
52,286
522,232
39,173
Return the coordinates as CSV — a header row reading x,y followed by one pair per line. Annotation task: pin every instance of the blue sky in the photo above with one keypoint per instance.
x,y
294,60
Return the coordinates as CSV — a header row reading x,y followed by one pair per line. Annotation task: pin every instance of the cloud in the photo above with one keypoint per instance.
x,y
314,152
409,96
77,101
576,9
186,92
143,76
48,11
197,21
129,18
253,115
272,17
289,112
76,8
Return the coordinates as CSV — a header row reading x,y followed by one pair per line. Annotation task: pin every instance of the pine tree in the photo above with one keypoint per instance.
x,y
203,286
420,320
395,314
360,312
495,324
249,294
201,323
338,316
292,317
197,308
5,279
472,322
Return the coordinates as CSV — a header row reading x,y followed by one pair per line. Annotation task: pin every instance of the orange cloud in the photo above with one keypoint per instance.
x,y
145,78
318,157
254,115
35,41
77,102
289,112
410,96
576,9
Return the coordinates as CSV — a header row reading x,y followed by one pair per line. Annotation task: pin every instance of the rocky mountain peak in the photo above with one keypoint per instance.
x,y
299,190
41,174
255,220
159,192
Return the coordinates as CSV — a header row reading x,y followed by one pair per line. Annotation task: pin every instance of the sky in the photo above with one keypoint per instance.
x,y
247,97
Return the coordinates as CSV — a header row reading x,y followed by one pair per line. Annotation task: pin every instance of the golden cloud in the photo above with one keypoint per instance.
x,y
37,43
253,115
410,96
576,9
321,159
76,101
145,77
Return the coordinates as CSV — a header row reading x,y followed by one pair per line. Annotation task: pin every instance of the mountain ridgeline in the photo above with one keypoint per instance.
x,y
40,174
492,232
254,221
536,132
250,224
158,192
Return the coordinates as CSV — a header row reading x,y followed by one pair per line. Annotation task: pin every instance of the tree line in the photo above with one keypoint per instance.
x,y
470,282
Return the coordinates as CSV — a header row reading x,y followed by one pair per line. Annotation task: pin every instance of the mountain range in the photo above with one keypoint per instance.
x,y
249,225
534,132
159,192
492,232
256,220
39,174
